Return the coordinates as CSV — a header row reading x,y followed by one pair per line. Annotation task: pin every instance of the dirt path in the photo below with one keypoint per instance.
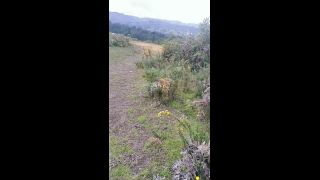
x,y
132,117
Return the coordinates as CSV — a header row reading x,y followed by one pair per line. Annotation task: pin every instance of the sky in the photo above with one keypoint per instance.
x,y
186,11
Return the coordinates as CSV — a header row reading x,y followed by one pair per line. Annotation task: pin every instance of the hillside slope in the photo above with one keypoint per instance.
x,y
157,25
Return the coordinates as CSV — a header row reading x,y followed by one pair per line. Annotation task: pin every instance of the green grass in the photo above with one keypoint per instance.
x,y
121,172
142,119
154,168
185,107
149,171
175,104
118,146
189,95
201,130
164,154
172,147
170,151
152,74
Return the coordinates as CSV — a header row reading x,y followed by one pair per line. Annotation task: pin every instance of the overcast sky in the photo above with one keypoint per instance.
x,y
187,11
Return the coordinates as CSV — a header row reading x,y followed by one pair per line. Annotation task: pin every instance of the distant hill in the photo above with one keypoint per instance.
x,y
157,25
137,33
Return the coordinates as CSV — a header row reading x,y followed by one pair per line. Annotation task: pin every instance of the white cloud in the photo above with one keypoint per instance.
x,y
188,11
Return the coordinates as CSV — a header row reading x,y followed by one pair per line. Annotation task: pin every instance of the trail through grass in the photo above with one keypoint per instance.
x,y
141,144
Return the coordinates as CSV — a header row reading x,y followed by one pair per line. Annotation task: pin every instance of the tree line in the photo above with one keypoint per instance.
x,y
138,33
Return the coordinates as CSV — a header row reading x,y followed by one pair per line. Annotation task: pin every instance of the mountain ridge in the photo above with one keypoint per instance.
x,y
152,24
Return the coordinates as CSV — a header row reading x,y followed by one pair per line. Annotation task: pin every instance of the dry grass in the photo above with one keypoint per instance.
x,y
155,49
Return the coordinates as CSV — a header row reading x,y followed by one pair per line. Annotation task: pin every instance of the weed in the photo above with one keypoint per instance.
x,y
142,119
139,64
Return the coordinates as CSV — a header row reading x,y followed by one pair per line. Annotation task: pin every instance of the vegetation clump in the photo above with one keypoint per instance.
x,y
118,40
203,104
163,90
195,162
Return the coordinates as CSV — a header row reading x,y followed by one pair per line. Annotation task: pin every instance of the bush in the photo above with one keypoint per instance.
x,y
195,161
154,90
192,50
118,40
171,50
163,90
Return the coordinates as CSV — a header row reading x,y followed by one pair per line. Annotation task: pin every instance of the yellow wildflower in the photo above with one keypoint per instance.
x,y
161,113
166,112
197,178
